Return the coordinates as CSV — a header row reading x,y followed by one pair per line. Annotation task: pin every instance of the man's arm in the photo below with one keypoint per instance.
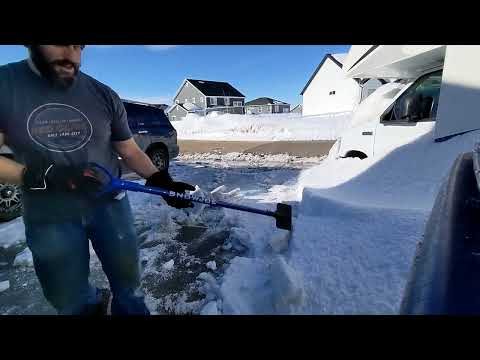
x,y
135,158
11,172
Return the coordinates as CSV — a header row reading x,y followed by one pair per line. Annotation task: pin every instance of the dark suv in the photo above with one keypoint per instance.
x,y
151,130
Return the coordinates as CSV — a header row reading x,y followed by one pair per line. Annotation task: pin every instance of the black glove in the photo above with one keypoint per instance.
x,y
162,179
60,178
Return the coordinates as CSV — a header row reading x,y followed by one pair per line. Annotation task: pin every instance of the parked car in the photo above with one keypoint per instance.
x,y
152,131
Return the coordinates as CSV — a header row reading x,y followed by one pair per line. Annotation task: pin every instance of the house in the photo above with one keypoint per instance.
x,y
297,109
265,105
329,90
203,97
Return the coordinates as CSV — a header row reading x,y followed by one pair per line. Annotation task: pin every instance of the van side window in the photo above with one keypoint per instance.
x,y
418,103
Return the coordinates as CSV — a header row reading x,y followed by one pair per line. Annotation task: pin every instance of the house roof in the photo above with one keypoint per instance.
x,y
336,58
215,88
174,106
265,101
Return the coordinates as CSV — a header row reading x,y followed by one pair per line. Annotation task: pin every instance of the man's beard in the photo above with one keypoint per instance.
x,y
47,69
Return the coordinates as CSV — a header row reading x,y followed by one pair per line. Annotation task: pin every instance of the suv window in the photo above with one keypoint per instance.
x,y
140,115
424,93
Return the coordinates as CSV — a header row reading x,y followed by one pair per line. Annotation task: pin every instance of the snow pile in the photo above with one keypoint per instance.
x,y
354,236
375,104
408,177
256,160
169,265
271,127
359,223
12,234
4,285
24,259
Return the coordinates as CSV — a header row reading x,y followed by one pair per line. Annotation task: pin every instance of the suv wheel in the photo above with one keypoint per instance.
x,y
10,202
159,157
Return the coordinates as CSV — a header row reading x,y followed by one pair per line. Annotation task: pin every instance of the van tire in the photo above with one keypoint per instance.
x,y
10,202
159,157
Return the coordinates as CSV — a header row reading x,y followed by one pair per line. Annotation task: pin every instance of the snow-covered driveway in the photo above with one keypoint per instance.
x,y
182,254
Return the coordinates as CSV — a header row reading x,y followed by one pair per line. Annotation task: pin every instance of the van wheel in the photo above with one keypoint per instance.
x,y
159,157
10,202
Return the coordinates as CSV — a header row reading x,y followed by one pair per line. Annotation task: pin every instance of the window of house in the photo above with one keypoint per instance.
x,y
193,101
277,108
213,101
201,99
259,109
237,103
227,101
332,92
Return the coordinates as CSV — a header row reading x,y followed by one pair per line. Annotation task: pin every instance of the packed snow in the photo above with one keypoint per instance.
x,y
272,127
12,234
356,226
24,258
4,285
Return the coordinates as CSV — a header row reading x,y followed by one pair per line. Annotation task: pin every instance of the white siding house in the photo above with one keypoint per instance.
x,y
329,90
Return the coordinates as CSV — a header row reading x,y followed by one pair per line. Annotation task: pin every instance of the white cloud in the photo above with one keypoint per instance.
x,y
160,47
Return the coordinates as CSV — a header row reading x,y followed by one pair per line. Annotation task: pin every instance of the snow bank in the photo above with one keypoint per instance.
x,y
12,234
262,127
408,177
4,285
355,230
24,259
359,222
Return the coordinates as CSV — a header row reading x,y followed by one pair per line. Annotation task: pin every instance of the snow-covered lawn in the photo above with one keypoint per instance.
x,y
273,127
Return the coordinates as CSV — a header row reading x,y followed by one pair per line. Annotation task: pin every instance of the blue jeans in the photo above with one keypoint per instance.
x,y
61,259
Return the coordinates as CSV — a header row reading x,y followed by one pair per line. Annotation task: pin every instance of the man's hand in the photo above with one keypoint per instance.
x,y
162,179
60,178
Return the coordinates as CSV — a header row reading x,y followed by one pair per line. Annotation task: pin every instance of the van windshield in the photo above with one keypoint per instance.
x,y
427,89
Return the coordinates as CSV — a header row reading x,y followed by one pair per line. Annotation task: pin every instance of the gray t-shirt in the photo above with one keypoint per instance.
x,y
65,127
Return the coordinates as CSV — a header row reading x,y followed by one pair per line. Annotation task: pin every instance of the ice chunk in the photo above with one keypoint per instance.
x,y
279,240
4,285
212,265
241,237
287,285
12,234
168,265
24,258
209,279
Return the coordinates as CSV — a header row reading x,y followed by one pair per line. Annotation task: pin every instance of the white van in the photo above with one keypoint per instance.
x,y
438,93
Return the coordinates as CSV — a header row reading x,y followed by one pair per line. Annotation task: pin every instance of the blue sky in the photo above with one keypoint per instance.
x,y
154,73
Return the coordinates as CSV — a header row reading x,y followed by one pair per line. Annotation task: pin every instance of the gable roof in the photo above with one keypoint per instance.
x,y
215,88
174,106
336,58
265,101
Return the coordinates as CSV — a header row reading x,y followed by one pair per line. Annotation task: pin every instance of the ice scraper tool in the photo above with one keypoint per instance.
x,y
111,184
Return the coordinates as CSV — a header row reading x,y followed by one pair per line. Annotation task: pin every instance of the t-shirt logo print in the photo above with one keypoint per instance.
x,y
59,127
